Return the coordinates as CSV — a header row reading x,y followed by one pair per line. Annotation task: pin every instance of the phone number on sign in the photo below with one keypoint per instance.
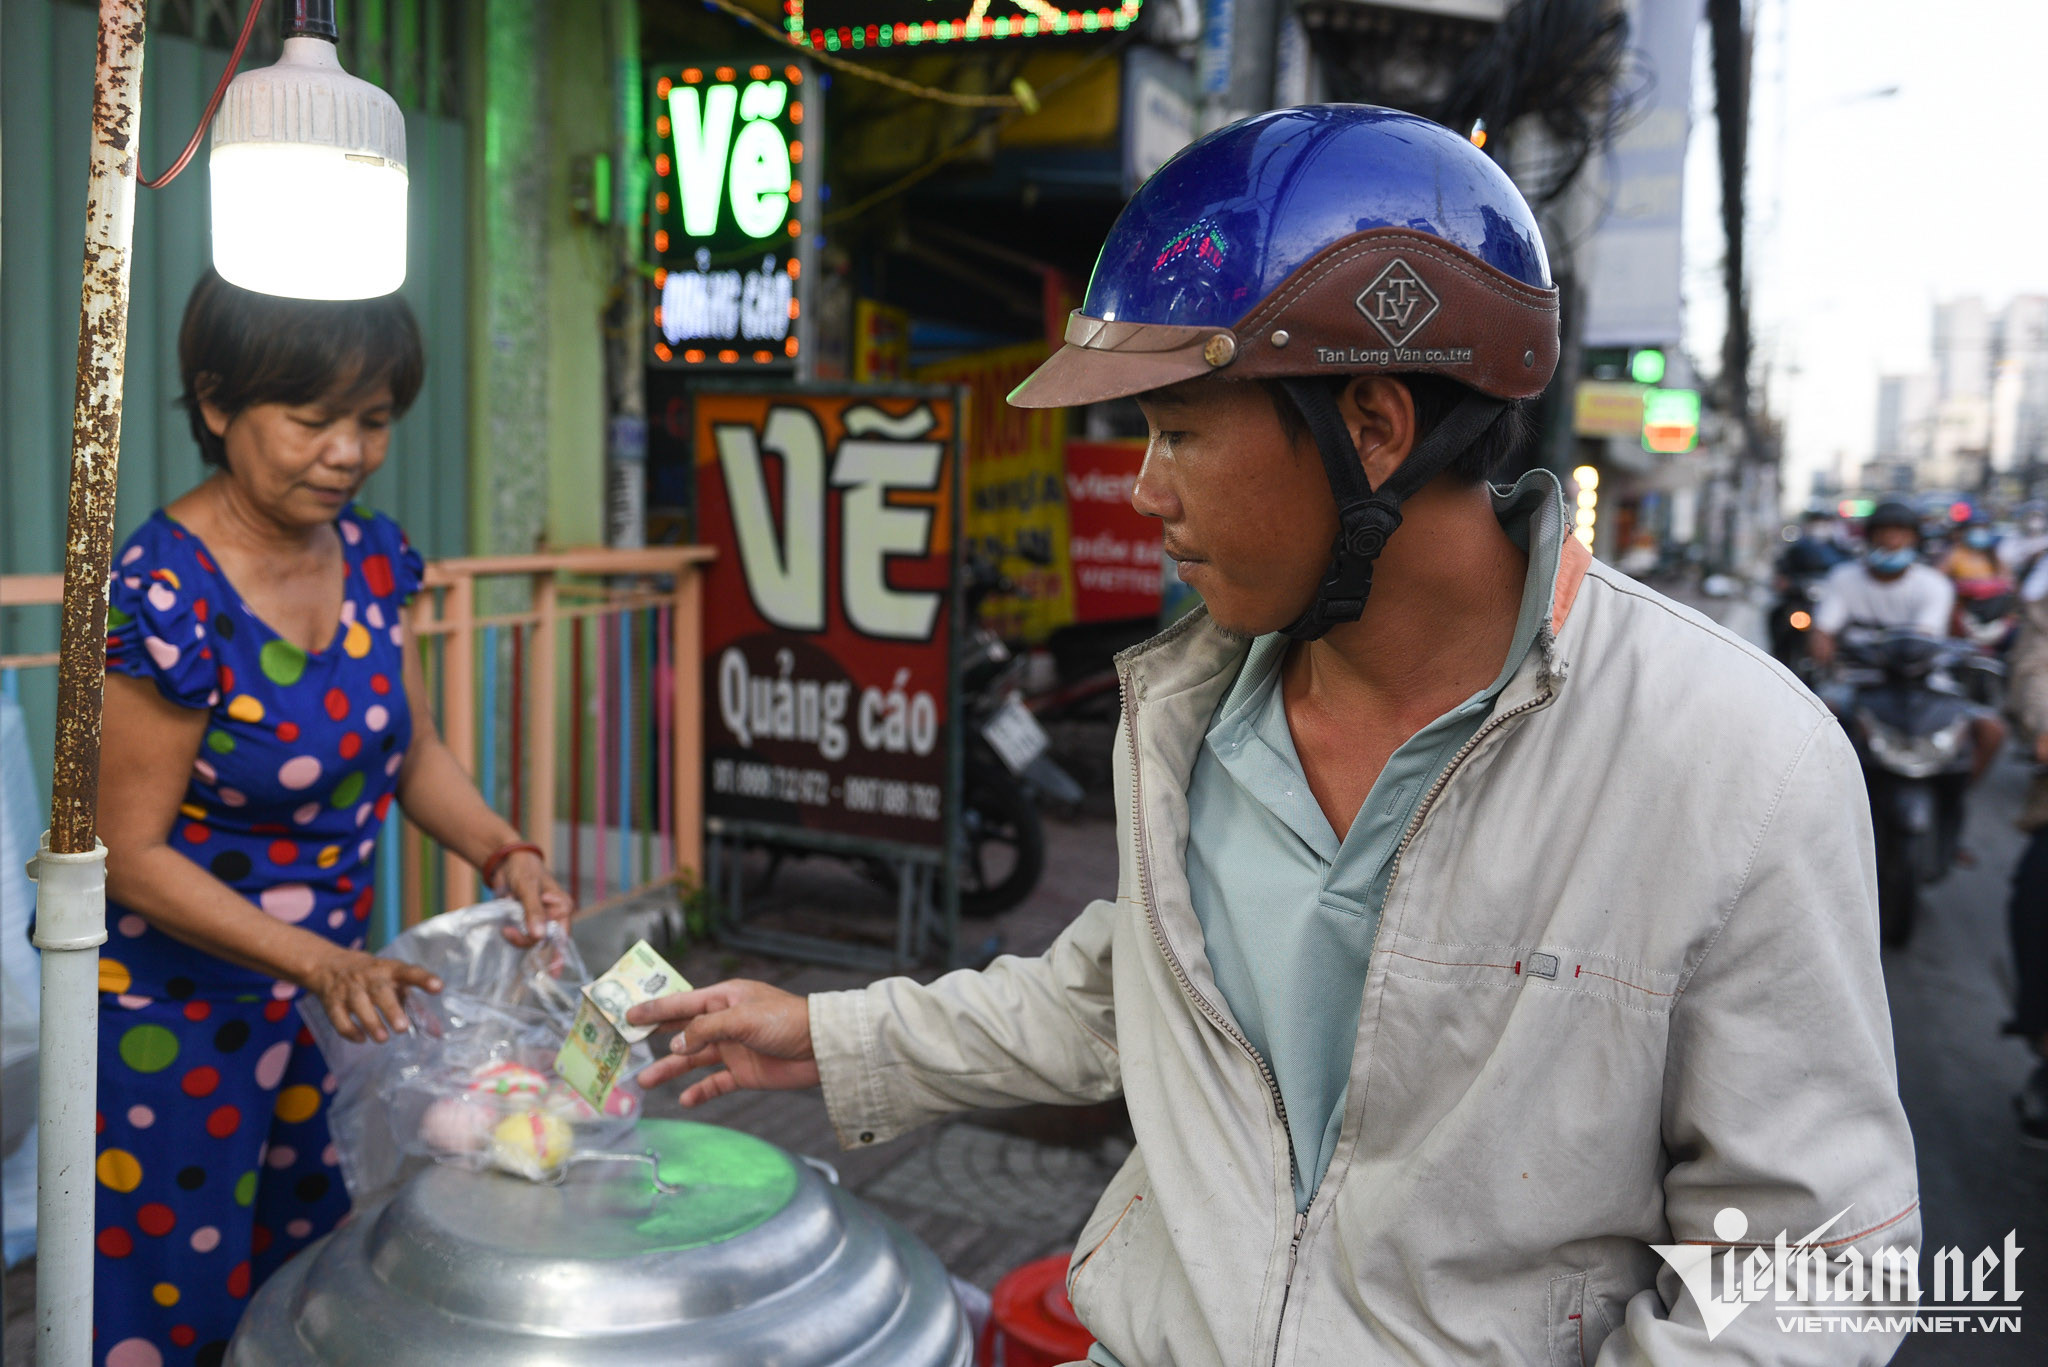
x,y
814,788
810,787
892,797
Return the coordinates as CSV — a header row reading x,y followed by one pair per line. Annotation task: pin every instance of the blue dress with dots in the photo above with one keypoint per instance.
x,y
214,1160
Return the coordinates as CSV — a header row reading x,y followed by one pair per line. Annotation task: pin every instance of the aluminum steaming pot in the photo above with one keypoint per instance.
x,y
713,1250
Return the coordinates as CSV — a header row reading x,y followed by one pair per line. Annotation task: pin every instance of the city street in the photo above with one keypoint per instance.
x,y
1950,992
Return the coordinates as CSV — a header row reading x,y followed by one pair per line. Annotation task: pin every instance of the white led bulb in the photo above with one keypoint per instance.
x,y
309,183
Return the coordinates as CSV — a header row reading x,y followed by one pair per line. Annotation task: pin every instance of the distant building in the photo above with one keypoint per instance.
x,y
1905,412
1962,349
2019,387
1980,412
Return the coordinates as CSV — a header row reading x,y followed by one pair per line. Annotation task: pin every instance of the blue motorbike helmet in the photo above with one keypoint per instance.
x,y
1322,241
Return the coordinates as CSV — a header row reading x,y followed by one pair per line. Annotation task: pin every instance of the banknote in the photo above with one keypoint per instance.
x,y
640,975
593,1056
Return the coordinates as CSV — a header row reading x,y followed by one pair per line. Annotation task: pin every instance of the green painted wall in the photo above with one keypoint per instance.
x,y
540,102
508,273
579,265
46,78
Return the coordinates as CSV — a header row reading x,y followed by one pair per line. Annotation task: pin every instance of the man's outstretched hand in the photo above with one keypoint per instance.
x,y
755,1035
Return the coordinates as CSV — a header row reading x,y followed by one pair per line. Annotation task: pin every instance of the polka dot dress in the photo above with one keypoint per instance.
x,y
214,1162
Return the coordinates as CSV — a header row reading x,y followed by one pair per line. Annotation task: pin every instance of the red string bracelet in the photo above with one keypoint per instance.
x,y
488,870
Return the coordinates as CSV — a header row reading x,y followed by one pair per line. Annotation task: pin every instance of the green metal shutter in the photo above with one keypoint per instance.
x,y
46,86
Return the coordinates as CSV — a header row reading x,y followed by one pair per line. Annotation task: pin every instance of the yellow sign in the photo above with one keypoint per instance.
x,y
1608,408
881,342
1016,489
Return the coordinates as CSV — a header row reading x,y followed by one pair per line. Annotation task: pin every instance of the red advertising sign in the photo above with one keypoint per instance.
x,y
828,613
1117,552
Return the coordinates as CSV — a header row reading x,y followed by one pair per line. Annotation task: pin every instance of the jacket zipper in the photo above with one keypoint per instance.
x,y
1436,789
1216,1017
1287,1287
1202,1004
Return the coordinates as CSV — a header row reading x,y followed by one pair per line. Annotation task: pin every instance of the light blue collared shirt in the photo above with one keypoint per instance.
x,y
1289,911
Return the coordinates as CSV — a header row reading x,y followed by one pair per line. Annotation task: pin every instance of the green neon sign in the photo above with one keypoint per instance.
x,y
750,170
731,213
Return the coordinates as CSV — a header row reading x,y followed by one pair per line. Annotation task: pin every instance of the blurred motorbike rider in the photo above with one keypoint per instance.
x,y
1436,1003
1817,550
1800,568
1888,588
1974,556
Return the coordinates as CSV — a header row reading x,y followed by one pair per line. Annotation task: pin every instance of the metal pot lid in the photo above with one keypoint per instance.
x,y
737,1254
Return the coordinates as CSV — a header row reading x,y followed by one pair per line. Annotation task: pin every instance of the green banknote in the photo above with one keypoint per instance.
x,y
593,1056
640,975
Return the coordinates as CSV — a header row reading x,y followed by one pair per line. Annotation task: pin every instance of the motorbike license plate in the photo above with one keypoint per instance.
x,y
1015,735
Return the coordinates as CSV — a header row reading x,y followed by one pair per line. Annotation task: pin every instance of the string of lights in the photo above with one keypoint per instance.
x,y
1021,96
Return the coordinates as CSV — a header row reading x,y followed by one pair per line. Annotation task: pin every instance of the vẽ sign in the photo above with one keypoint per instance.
x,y
828,618
731,218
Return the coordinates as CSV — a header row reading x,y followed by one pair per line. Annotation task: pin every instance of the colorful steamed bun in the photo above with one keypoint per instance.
x,y
458,1124
508,1080
531,1143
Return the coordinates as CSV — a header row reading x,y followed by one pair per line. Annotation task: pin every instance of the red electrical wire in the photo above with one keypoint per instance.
x,y
212,105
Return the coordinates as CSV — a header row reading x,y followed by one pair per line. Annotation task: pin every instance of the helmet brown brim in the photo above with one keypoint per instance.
x,y
1465,321
1104,360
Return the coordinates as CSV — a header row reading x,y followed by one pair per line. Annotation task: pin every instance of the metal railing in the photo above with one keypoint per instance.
x,y
569,685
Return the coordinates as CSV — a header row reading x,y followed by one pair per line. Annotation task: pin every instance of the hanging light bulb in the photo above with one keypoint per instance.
x,y
308,170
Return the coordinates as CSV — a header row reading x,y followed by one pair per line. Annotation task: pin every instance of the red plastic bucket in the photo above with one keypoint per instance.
x,y
1031,1323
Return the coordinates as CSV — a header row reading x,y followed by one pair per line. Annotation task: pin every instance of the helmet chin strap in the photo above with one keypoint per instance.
x,y
1366,516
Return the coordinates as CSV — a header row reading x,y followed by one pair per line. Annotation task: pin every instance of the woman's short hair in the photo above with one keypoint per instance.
x,y
238,348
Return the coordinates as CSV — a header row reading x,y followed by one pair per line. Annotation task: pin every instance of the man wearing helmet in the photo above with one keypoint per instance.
x,y
1484,920
1891,589
1888,589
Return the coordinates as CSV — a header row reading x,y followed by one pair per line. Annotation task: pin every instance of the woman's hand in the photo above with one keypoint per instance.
x,y
525,876
760,1035
361,992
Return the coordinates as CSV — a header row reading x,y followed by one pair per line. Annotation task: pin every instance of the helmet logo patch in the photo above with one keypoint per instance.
x,y
1398,302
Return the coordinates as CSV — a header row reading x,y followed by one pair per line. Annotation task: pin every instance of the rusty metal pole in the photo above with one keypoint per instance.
x,y
96,426
71,902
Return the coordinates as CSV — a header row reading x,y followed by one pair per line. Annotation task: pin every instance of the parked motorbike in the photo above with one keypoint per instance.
x,y
1911,728
1008,763
1007,766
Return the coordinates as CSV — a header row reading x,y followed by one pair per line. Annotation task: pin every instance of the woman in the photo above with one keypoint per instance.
x,y
264,707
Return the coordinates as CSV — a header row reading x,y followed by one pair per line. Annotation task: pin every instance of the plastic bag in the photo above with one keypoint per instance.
x,y
473,1080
